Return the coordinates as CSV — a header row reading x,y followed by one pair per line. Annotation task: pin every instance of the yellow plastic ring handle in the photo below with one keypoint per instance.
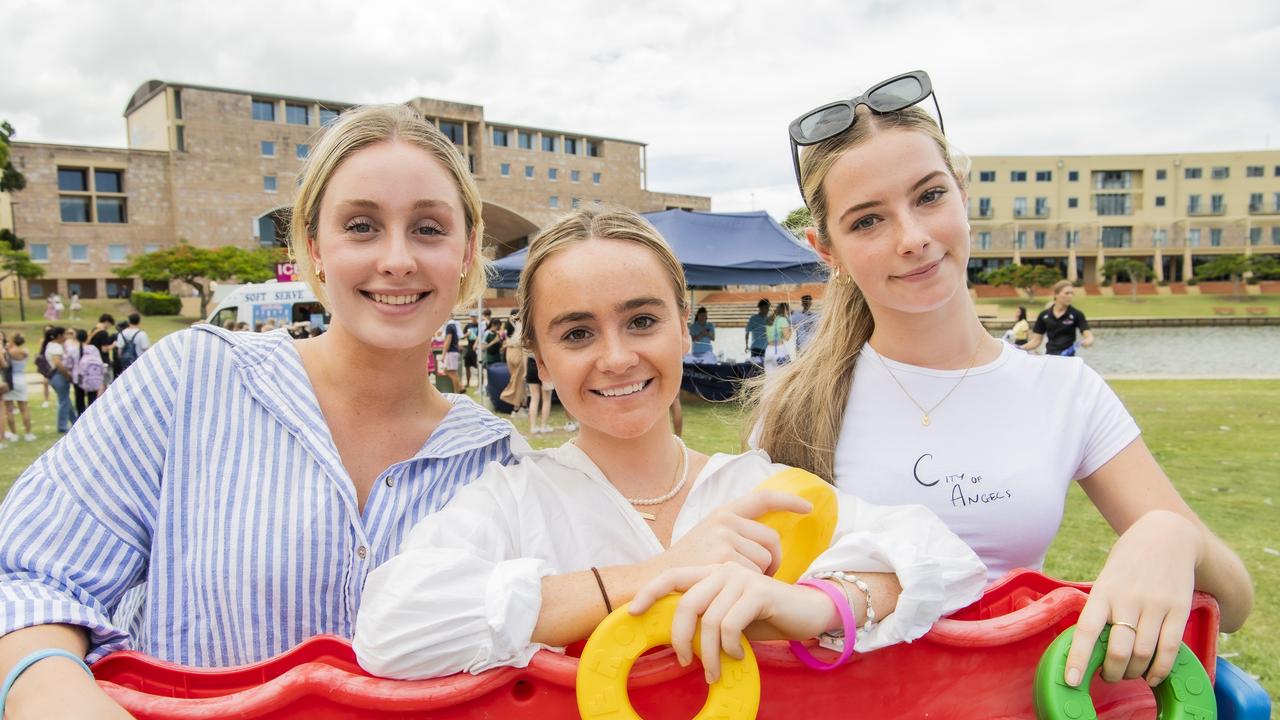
x,y
618,641
623,637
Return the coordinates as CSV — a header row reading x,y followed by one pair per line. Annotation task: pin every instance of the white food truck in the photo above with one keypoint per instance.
x,y
284,302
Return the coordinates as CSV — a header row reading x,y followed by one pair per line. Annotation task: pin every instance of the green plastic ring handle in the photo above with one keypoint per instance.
x,y
1186,694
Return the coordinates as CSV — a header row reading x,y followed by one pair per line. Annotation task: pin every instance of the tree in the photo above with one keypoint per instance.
x,y
10,179
1023,277
797,220
1265,267
197,266
17,263
1136,270
1232,266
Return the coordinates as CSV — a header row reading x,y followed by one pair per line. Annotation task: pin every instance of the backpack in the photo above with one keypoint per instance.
x,y
129,352
43,366
90,371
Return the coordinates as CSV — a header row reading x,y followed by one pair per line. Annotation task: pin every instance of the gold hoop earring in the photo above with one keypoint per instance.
x,y
320,275
836,277
463,276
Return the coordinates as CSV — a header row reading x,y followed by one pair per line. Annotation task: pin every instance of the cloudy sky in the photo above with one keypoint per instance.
x,y
709,84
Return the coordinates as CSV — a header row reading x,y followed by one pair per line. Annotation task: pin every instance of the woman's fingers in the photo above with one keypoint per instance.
x,y
753,505
685,620
759,558
1144,644
1169,644
1092,619
764,537
665,583
1119,650
727,593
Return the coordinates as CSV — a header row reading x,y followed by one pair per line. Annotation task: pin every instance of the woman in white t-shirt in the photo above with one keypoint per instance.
x,y
535,555
913,401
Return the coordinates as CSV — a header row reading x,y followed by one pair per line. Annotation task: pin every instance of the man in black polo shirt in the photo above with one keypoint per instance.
x,y
1059,323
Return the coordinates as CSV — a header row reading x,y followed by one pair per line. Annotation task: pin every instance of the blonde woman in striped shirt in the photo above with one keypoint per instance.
x,y
227,498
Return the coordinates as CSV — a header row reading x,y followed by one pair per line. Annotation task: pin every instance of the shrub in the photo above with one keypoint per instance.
x,y
1106,282
1253,280
1193,281
1078,282
156,303
1162,283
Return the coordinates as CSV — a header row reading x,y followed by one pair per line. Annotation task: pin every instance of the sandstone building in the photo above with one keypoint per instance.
x,y
217,167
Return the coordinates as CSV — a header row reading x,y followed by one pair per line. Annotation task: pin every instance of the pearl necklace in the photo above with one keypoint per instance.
x,y
677,485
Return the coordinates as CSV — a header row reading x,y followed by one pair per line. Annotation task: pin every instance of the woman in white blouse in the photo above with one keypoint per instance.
x,y
508,567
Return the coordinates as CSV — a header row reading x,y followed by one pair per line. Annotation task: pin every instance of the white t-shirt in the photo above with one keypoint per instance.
x,y
999,454
466,590
137,336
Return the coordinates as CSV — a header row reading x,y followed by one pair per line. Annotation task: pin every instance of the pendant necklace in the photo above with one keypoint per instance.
x,y
925,414
677,485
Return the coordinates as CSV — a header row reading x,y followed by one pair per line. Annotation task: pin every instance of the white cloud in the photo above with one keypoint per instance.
x,y
709,85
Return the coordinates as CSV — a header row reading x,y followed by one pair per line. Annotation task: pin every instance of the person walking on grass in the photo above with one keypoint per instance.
x,y
15,399
133,341
1059,323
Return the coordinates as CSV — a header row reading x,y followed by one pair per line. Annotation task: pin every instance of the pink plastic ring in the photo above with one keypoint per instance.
x,y
846,616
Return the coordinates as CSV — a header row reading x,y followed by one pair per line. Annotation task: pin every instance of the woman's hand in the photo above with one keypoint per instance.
x,y
1147,582
729,597
730,534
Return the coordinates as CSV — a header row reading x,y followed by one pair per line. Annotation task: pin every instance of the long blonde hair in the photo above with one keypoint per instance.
x,y
586,224
798,410
357,129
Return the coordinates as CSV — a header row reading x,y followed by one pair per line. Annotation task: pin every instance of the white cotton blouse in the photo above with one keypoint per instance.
x,y
465,592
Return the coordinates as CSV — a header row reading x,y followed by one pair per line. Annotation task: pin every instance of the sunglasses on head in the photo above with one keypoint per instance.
x,y
828,121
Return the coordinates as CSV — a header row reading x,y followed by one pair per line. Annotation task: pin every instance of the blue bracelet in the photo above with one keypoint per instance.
x,y
30,660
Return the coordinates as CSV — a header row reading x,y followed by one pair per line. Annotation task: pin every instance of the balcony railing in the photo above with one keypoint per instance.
x,y
1264,208
981,214
1202,211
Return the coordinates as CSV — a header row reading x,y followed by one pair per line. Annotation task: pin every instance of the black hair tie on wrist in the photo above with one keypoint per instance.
x,y
604,594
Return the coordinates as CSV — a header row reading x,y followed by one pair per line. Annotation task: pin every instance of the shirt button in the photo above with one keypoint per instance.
x,y
363,552
391,481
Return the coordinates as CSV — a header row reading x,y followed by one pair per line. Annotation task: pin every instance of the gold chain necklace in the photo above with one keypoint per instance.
x,y
924,414
677,484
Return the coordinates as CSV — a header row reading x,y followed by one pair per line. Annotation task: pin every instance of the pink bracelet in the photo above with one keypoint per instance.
x,y
846,616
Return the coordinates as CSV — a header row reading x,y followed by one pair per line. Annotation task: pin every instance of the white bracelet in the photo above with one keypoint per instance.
x,y
858,583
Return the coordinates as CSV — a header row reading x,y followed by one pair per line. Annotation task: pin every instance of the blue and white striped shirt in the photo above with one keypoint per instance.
x,y
199,511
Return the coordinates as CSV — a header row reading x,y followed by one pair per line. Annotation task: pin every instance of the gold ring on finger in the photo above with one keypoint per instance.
x,y
1131,626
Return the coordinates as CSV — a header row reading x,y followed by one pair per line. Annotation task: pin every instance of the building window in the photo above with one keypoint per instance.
x,y
500,137
107,181
297,114
1255,236
571,146
526,140
549,143
177,104
595,178
1255,202
1019,207
1192,173
1073,202
1193,204
554,201
39,252
574,203
73,179
984,207
302,151
1117,237
987,176
1193,237
1216,204
264,110
1275,240
1277,171
575,175
593,150
1017,175
268,148
528,171
150,248
1044,176
1073,238
984,240
182,138
1039,239
453,131
1161,174
269,183
1042,207
118,253
1215,237
1255,171
327,116
80,253
1020,240
553,174
111,210
1113,204
1073,176
505,169
1159,237
1221,173
74,208
1159,201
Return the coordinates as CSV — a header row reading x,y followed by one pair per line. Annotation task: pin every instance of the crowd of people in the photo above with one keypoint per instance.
x,y
373,506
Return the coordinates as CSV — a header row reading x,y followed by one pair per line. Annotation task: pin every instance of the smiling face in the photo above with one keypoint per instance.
x,y
614,350
392,242
1065,296
897,222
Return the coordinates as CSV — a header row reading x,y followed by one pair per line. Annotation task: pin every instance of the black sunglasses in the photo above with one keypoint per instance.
x,y
824,123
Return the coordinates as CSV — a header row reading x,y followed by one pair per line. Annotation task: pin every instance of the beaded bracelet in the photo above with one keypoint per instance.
x,y
30,660
857,582
846,618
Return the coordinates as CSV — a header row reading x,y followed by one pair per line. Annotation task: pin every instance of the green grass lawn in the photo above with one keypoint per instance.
x,y
1098,306
156,326
1216,439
